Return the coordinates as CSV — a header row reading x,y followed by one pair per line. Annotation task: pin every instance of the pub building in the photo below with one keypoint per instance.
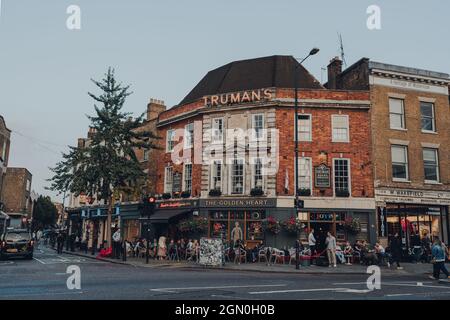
x,y
230,145
411,147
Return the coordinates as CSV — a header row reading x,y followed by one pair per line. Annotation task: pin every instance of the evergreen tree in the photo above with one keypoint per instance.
x,y
107,165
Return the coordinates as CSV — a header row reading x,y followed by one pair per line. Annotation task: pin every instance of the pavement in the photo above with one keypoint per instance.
x,y
408,268
46,277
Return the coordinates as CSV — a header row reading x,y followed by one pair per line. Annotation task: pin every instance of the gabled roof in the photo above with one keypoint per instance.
x,y
265,72
3,123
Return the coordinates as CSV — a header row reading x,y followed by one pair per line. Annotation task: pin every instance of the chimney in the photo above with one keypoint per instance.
x,y
334,70
154,108
91,132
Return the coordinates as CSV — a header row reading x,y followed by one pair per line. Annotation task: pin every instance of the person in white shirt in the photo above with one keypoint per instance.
x,y
331,249
116,244
312,242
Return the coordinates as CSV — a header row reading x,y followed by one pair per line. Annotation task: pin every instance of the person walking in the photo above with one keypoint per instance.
x,y
59,242
396,250
438,259
312,242
116,244
330,241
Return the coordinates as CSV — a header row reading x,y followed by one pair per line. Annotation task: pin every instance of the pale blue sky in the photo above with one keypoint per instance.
x,y
163,48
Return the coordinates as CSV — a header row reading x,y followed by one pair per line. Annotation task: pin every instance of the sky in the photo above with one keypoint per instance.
x,y
163,48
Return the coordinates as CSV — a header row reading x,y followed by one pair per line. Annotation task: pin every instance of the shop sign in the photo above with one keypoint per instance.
x,y
412,196
321,217
176,186
238,97
176,204
382,222
322,176
241,203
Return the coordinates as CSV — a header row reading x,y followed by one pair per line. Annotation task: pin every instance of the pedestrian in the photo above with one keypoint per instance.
x,y
116,244
312,242
330,241
396,250
162,249
59,242
438,259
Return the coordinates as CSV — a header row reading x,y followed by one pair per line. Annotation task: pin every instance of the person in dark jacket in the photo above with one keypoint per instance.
x,y
60,242
396,250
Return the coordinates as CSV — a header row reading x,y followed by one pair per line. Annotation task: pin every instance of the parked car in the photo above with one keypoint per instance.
x,y
16,243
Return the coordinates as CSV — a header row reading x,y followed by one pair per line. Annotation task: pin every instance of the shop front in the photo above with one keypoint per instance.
x,y
130,223
417,216
226,217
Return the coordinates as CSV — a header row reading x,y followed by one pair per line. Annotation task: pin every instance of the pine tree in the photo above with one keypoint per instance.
x,y
107,165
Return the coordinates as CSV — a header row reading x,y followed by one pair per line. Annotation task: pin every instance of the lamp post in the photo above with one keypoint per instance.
x,y
311,53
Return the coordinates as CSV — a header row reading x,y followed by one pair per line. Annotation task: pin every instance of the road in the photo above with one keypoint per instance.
x,y
45,277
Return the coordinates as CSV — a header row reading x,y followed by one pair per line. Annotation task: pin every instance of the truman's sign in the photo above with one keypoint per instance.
x,y
238,97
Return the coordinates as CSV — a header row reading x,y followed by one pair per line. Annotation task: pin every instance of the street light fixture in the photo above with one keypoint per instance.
x,y
311,53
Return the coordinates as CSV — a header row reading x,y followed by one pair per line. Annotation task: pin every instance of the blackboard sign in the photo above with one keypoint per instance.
x,y
176,182
322,176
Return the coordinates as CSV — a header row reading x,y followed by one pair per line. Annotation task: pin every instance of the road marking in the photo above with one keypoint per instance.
x,y
413,285
398,295
171,290
230,297
355,291
6,262
41,294
298,290
39,260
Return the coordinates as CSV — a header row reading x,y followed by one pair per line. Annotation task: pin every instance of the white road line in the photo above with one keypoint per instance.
x,y
413,285
399,295
220,287
230,297
298,290
41,294
39,260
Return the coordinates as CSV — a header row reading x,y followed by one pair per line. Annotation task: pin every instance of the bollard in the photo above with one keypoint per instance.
x,y
297,254
124,253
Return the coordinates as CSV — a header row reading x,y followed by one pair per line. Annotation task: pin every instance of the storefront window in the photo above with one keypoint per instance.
x,y
222,222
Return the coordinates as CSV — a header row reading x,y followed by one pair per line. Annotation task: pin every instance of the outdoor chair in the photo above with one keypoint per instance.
x,y
262,254
241,255
292,255
277,256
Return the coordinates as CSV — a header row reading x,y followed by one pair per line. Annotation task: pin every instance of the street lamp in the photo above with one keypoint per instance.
x,y
311,53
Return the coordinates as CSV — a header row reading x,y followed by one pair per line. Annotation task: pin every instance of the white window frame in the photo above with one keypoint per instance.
x,y
406,163
433,112
253,180
436,152
145,155
212,174
333,117
298,127
257,137
230,176
4,151
184,177
402,114
213,130
349,169
310,173
169,134
188,136
166,184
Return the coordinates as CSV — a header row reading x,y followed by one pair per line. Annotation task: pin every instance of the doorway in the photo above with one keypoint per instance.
x,y
320,233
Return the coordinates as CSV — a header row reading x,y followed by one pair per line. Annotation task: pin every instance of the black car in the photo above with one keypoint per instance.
x,y
16,243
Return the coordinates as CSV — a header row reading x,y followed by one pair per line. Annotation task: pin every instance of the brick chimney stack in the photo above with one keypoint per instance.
x,y
154,108
334,69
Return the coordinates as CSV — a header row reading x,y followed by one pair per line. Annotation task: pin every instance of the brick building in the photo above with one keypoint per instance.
x,y
17,195
5,135
410,116
228,154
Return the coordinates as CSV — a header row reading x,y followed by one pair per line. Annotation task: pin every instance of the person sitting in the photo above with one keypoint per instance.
x,y
172,249
381,254
255,251
348,253
239,252
340,254
368,256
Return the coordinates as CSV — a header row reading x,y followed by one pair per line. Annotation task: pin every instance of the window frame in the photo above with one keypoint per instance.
x,y
213,140
188,143
349,170
213,176
184,177
310,173
403,114
436,153
169,134
406,163
255,136
166,169
333,117
433,117
230,176
253,180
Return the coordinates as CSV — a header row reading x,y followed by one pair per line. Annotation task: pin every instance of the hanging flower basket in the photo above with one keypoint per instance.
x,y
197,224
271,225
352,225
293,225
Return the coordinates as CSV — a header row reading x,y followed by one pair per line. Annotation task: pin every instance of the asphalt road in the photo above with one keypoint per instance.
x,y
45,277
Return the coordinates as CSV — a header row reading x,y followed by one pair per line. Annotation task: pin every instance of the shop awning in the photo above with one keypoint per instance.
x,y
163,216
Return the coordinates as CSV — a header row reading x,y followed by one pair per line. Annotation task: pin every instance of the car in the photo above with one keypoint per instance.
x,y
16,243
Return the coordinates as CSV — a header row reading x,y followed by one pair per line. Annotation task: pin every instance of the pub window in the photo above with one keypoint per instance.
x,y
397,113
304,174
427,116
304,127
216,175
340,128
168,179
431,165
217,130
342,177
237,176
399,162
170,139
189,135
258,126
187,177
258,181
